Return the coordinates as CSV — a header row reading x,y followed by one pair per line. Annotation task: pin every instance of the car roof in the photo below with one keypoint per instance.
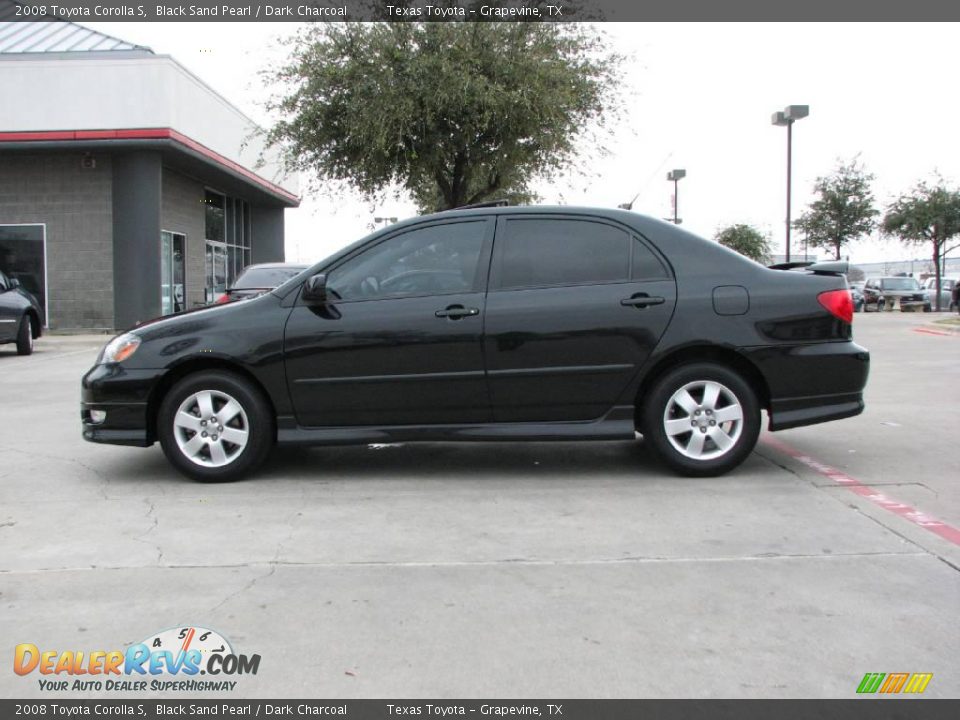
x,y
271,266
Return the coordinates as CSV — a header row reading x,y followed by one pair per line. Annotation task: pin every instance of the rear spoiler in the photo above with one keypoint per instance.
x,y
835,267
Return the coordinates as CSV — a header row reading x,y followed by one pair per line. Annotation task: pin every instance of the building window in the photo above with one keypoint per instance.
x,y
227,222
214,216
23,257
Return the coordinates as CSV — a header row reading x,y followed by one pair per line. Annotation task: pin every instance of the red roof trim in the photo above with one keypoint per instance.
x,y
147,134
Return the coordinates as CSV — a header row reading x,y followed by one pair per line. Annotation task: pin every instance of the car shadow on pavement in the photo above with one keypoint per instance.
x,y
418,460
447,462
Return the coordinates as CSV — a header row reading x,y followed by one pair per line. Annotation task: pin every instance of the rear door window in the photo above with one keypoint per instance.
x,y
542,252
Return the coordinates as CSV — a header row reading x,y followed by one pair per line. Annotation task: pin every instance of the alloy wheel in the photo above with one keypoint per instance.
x,y
211,428
703,420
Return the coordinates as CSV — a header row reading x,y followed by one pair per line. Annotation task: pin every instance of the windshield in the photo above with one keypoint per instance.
x,y
268,277
905,283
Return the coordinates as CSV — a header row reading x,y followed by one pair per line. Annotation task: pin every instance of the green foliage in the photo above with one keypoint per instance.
x,y
454,113
746,240
843,210
927,215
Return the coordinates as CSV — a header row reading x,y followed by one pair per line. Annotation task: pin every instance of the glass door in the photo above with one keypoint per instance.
x,y
173,272
215,270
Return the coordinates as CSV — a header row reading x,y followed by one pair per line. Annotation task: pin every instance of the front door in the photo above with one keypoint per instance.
x,y
399,339
575,308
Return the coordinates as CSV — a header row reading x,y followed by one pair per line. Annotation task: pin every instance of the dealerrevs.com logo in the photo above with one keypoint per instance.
x,y
171,660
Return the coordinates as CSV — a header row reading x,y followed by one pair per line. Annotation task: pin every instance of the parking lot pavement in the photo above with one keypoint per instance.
x,y
539,570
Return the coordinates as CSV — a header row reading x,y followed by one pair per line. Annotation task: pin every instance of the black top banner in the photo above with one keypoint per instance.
x,y
480,11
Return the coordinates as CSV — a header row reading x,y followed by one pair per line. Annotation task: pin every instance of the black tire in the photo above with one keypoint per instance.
x,y
880,304
25,335
255,417
658,401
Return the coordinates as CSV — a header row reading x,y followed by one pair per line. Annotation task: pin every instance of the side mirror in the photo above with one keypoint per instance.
x,y
315,289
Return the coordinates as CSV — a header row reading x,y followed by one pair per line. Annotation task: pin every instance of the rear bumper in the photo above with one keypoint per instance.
x,y
123,396
813,383
796,412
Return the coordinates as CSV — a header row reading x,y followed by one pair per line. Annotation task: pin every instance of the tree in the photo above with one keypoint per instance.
x,y
746,240
843,210
928,214
453,112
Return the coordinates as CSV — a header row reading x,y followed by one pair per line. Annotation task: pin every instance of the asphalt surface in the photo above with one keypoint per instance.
x,y
503,570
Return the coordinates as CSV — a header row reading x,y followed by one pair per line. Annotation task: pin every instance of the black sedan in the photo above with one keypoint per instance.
x,y
258,279
19,315
495,323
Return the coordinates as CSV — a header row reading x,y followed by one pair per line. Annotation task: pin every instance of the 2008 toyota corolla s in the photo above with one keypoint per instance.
x,y
493,324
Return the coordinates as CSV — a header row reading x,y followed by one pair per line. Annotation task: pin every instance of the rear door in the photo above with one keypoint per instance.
x,y
575,307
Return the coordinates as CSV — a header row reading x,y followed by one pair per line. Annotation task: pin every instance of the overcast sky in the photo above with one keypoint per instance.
x,y
699,97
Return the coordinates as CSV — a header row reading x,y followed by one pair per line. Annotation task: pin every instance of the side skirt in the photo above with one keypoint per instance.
x,y
615,425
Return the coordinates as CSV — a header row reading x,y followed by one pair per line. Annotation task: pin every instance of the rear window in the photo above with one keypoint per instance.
x,y
265,277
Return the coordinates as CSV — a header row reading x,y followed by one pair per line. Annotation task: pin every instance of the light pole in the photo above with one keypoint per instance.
x,y
675,176
788,116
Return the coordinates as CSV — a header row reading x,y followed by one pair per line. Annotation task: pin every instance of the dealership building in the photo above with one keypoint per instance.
x,y
128,187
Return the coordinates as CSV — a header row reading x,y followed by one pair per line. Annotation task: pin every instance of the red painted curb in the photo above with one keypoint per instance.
x,y
921,519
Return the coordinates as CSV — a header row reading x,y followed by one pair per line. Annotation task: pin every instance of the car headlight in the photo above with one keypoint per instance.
x,y
120,348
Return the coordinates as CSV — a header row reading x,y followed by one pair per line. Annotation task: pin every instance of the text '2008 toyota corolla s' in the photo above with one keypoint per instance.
x,y
494,323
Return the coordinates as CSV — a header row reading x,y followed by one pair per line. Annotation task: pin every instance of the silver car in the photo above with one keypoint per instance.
x,y
946,293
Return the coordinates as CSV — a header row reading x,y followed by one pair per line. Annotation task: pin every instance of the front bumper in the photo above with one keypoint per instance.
x,y
124,396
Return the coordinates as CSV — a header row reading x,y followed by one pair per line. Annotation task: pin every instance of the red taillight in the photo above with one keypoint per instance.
x,y
222,299
839,303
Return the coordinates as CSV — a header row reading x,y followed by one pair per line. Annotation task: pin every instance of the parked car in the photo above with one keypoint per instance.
x,y
258,279
929,288
856,294
496,323
887,292
20,315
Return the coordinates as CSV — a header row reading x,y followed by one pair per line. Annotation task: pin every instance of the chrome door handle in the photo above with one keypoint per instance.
x,y
455,312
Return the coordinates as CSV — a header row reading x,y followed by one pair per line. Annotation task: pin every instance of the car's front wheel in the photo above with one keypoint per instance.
x,y
215,426
701,419
25,336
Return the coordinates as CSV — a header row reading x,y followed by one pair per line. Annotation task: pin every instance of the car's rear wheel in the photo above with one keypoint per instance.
x,y
701,419
215,426
25,335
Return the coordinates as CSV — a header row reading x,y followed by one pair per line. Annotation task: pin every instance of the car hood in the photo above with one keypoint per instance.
x,y
169,324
